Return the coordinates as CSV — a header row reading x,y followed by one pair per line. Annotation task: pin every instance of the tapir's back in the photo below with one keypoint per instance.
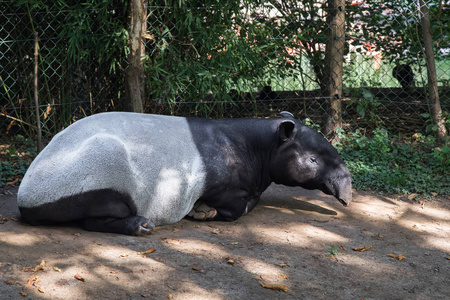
x,y
147,157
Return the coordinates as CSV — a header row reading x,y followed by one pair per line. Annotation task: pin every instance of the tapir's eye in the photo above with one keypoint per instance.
x,y
313,160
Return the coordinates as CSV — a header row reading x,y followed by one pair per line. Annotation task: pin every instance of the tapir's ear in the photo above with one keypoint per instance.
x,y
286,114
286,130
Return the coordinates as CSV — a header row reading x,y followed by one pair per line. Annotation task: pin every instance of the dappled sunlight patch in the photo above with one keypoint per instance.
x,y
433,212
260,268
188,289
419,225
318,234
440,243
430,224
197,247
435,235
20,239
368,261
378,210
299,235
110,253
115,281
130,271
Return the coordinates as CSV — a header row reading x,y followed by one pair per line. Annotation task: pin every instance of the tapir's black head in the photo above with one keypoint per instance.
x,y
305,158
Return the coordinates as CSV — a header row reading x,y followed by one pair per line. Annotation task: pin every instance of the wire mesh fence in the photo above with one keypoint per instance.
x,y
221,59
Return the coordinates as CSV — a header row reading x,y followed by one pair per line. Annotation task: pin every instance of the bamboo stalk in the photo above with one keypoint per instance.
x,y
36,99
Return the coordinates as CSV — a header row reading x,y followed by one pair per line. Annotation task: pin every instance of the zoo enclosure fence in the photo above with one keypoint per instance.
x,y
263,58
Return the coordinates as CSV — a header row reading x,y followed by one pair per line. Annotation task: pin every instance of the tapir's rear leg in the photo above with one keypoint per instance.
x,y
99,210
132,225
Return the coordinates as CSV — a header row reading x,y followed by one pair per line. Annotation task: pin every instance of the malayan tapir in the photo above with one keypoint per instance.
x,y
127,172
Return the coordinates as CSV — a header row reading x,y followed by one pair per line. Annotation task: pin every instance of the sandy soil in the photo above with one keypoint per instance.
x,y
284,244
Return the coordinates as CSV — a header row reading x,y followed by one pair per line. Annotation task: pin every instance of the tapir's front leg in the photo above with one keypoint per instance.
x,y
201,211
251,205
228,211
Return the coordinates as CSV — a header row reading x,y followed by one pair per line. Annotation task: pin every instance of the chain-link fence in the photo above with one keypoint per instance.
x,y
221,59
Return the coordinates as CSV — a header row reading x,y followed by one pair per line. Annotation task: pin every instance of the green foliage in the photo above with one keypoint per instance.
x,y
95,30
197,50
82,57
391,165
395,26
432,127
332,251
15,160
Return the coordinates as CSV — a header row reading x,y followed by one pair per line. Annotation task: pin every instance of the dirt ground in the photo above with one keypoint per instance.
x,y
285,243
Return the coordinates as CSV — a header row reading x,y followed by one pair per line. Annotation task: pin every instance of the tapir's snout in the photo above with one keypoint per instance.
x,y
345,201
343,191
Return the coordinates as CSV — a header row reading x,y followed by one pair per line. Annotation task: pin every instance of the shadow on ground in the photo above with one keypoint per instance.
x,y
285,241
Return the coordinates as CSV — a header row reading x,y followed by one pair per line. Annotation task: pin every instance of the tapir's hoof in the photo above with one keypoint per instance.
x,y
145,229
211,213
202,212
199,215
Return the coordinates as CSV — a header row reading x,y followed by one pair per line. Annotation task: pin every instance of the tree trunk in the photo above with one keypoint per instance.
x,y
135,73
334,59
431,70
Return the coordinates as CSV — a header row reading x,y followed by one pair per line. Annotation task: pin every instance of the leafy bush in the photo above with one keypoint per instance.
x,y
391,165
15,160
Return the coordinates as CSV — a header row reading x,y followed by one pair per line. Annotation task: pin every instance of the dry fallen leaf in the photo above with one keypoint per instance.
x,y
123,255
41,290
40,266
231,261
10,282
362,249
36,281
399,257
171,241
47,111
278,287
13,182
30,281
23,294
27,269
282,265
148,251
197,268
57,269
412,196
79,277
